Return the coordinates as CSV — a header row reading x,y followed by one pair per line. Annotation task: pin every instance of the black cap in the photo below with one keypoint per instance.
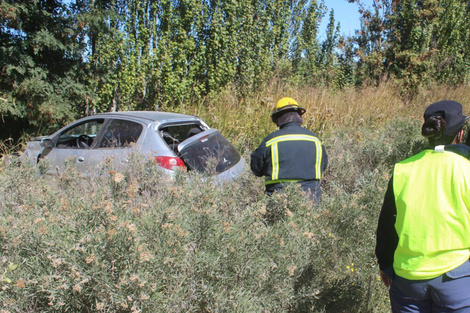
x,y
452,113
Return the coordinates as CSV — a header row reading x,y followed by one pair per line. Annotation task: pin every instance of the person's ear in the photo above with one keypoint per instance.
x,y
460,136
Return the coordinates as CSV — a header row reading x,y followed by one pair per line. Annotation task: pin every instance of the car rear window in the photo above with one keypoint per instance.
x,y
210,153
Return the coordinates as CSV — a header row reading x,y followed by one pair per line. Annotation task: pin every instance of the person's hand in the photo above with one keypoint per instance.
x,y
386,280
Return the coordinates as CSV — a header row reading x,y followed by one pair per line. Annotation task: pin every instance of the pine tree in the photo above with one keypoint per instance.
x,y
41,65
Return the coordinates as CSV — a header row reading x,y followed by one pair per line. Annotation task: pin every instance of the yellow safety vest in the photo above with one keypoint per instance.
x,y
432,196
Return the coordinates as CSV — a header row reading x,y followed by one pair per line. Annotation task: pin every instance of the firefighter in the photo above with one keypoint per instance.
x,y
290,154
423,233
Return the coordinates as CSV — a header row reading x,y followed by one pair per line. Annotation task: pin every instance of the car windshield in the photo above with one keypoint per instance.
x,y
210,153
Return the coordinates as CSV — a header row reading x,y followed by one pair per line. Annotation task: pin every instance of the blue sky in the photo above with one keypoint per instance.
x,y
346,14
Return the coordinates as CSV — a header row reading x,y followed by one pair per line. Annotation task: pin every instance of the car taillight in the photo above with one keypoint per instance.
x,y
170,163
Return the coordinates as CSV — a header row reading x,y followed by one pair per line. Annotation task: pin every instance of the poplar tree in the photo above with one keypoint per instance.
x,y
308,50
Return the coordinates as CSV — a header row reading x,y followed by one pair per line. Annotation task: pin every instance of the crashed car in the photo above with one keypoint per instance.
x,y
172,140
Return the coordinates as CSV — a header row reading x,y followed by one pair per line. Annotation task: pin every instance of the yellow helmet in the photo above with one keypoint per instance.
x,y
287,103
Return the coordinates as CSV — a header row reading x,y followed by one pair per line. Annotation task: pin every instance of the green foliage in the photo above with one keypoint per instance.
x,y
452,62
346,68
415,42
307,49
331,42
371,42
152,54
41,79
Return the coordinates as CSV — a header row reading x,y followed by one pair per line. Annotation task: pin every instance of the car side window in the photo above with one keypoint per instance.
x,y
120,134
80,136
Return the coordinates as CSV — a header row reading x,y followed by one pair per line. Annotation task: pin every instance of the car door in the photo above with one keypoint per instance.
x,y
73,146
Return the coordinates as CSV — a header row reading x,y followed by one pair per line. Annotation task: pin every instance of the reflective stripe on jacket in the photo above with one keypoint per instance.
x,y
291,154
275,144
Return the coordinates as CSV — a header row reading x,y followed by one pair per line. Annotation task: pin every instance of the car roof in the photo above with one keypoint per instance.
x,y
150,116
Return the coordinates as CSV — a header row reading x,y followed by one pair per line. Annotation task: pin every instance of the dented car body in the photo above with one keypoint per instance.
x,y
172,140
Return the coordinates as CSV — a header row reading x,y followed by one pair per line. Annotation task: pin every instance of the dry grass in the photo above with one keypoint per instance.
x,y
246,120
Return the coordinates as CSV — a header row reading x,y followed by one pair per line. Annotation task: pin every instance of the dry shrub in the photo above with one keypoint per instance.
x,y
135,241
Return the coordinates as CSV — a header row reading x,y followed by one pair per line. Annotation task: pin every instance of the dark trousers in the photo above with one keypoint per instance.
x,y
449,292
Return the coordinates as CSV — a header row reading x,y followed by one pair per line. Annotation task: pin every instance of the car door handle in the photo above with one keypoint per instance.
x,y
80,159
124,161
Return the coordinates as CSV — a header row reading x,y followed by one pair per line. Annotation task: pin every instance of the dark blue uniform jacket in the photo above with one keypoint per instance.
x,y
290,154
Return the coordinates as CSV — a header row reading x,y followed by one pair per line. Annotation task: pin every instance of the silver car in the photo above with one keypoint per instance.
x,y
172,140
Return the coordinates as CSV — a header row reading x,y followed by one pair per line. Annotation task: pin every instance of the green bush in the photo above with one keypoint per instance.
x,y
137,241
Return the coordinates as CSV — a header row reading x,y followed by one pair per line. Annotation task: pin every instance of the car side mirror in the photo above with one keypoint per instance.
x,y
46,143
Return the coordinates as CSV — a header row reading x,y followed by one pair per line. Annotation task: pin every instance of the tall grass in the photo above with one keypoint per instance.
x,y
136,241
246,120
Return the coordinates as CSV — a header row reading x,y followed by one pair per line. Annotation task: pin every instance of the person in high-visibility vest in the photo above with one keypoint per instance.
x,y
292,154
423,233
